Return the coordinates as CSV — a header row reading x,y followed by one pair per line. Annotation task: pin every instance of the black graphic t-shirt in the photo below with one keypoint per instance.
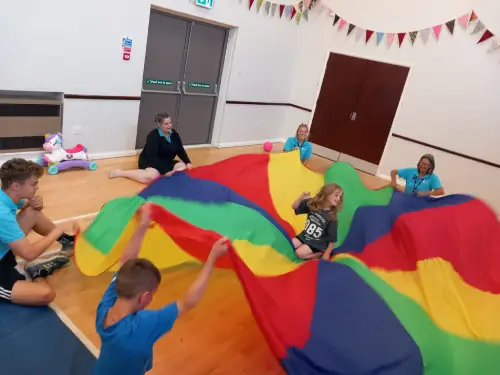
x,y
320,230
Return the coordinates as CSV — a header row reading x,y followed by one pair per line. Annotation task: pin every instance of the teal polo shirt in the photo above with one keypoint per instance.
x,y
305,148
415,185
10,231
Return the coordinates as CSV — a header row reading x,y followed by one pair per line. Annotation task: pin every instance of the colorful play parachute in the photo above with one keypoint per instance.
x,y
413,288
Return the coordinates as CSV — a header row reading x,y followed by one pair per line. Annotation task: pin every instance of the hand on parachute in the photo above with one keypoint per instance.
x,y
145,215
306,195
219,248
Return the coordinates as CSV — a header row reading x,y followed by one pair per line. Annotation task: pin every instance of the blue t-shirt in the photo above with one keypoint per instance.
x,y
305,148
414,184
127,346
10,231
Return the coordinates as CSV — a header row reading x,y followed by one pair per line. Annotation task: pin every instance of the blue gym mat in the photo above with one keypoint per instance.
x,y
33,340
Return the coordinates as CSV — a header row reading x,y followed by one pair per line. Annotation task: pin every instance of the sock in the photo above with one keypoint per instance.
x,y
66,238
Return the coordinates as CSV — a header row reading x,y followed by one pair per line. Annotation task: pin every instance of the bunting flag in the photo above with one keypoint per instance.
x,y
451,26
437,31
359,33
390,39
268,7
299,16
473,17
401,37
305,14
342,23
293,11
288,11
369,34
307,3
413,36
464,20
282,9
336,19
250,4
259,4
495,44
380,36
487,35
274,6
424,34
479,27
351,28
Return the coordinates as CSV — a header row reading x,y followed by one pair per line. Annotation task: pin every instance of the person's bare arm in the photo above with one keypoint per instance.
x,y
195,292
133,246
394,174
328,252
303,196
30,251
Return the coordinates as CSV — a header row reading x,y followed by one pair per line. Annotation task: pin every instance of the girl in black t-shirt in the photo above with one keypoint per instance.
x,y
157,157
320,232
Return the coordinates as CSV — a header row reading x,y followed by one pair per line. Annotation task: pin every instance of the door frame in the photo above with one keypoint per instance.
x,y
338,156
218,120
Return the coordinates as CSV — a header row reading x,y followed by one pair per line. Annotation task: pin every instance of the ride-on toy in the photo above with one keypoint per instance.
x,y
60,159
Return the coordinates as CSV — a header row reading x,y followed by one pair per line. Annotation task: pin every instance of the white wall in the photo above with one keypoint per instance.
x,y
75,47
451,96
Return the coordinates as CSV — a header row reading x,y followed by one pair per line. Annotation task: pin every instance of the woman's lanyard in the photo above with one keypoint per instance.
x,y
415,185
300,145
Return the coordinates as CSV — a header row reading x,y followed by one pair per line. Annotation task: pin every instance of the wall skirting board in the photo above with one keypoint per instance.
x,y
250,143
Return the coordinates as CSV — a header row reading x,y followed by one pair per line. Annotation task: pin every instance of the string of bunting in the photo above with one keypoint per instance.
x,y
464,21
298,10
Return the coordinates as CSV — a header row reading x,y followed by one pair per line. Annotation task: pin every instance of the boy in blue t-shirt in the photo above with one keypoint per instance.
x,y
127,331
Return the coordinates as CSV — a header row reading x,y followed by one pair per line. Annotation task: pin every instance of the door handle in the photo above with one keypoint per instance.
x,y
215,93
353,116
178,92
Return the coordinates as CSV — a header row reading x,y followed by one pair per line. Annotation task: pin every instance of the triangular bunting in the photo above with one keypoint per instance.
x,y
336,19
282,8
351,28
479,27
424,34
342,23
268,7
473,16
305,14
308,4
259,4
299,16
273,9
368,35
250,4
293,12
464,20
288,11
359,33
487,35
451,26
437,31
390,39
380,36
495,44
401,37
413,36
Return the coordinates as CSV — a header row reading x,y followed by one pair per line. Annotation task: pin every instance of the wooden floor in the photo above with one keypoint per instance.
x,y
220,336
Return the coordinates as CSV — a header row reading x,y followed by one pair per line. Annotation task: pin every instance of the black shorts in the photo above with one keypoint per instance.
x,y
314,250
9,275
165,166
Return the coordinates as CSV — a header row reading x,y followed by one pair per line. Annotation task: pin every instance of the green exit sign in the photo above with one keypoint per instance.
x,y
199,85
163,82
205,3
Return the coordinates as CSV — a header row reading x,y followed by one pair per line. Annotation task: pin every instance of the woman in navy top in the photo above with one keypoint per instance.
x,y
157,157
300,142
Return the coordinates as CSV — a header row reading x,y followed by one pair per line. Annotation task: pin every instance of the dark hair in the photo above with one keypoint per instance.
x,y
429,157
18,170
137,276
160,117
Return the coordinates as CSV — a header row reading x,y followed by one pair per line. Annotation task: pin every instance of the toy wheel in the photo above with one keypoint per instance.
x,y
93,166
53,170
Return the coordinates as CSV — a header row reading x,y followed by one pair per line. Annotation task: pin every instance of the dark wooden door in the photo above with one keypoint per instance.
x,y
336,101
375,109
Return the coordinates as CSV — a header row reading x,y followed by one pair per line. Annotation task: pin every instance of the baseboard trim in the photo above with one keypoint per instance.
x,y
248,143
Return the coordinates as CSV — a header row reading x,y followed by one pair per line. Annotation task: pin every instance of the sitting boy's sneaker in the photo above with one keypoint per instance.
x,y
45,267
68,246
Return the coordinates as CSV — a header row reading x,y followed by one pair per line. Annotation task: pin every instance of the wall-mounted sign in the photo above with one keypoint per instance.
x,y
163,82
205,3
126,48
199,85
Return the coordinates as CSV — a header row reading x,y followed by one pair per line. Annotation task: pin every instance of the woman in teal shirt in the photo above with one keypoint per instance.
x,y
300,142
420,181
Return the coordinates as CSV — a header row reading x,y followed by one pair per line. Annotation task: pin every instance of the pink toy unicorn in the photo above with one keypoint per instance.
x,y
53,143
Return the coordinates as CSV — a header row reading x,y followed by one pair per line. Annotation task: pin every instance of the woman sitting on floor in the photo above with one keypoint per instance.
x,y
163,144
420,181
300,142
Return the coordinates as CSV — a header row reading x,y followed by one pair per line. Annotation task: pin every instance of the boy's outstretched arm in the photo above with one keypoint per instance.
x,y
133,246
195,292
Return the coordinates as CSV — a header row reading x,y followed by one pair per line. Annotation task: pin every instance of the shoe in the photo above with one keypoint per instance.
x,y
45,267
68,246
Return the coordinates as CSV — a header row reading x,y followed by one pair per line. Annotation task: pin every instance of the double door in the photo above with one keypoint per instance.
x,y
182,71
356,106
